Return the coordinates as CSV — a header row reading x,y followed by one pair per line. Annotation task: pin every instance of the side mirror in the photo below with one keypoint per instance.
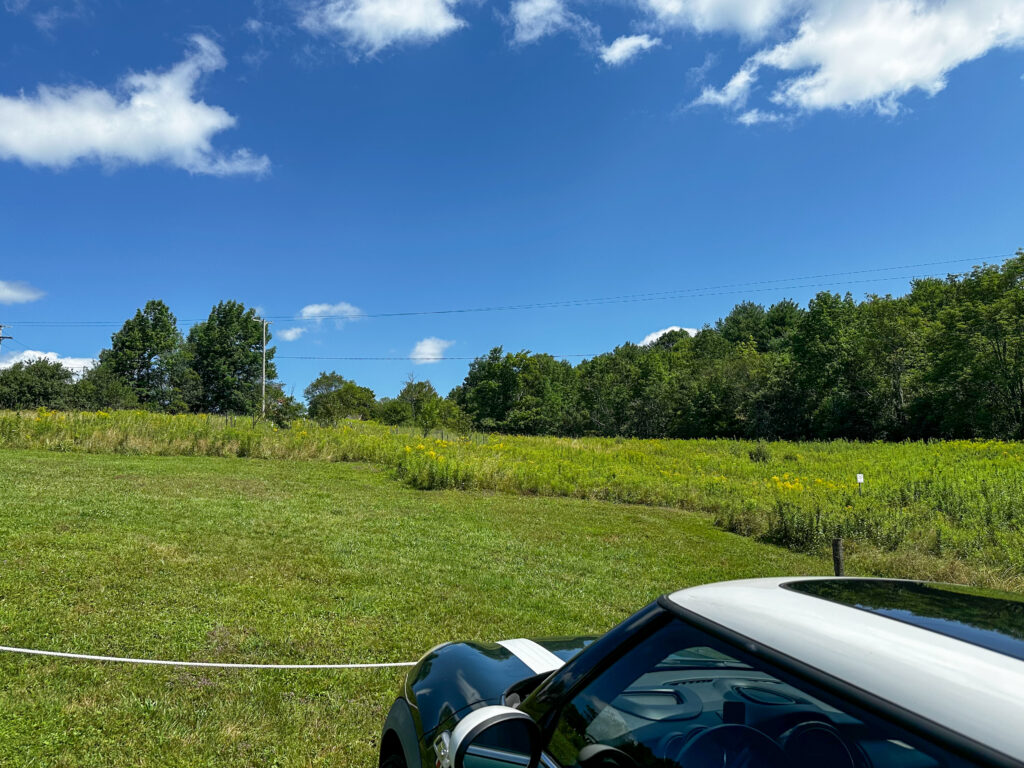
x,y
491,737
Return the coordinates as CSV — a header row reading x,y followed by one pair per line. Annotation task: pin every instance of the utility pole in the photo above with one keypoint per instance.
x,y
264,409
2,337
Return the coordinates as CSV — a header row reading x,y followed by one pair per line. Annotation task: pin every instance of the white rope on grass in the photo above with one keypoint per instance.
x,y
207,664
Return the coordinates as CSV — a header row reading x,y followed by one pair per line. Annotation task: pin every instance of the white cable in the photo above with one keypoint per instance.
x,y
161,662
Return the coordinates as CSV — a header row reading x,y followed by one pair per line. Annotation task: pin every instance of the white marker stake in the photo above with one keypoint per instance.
x,y
860,484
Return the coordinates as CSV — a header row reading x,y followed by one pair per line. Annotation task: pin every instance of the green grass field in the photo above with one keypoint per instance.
x,y
217,559
951,511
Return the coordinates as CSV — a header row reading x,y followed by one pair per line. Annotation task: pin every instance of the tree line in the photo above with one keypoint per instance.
x,y
217,368
946,360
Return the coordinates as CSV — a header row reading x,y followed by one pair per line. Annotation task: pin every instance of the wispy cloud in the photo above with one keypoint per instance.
x,y
18,293
626,48
152,117
535,19
733,94
650,338
429,350
48,20
369,26
755,116
341,312
291,334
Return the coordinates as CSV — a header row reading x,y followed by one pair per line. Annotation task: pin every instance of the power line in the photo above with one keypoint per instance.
x,y
679,293
640,297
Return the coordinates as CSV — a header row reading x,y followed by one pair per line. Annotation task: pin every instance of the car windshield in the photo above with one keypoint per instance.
x,y
682,698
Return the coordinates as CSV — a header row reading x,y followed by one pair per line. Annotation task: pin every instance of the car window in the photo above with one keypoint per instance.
x,y
681,698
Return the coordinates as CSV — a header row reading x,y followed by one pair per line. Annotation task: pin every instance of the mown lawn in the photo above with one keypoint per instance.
x,y
946,511
236,560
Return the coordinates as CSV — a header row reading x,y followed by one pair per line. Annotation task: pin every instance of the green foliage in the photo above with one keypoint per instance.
x,y
760,454
421,400
393,411
282,408
100,388
519,393
332,397
945,361
225,351
441,414
40,383
146,355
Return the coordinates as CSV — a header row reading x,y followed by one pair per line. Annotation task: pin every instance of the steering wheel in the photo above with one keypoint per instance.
x,y
732,746
813,744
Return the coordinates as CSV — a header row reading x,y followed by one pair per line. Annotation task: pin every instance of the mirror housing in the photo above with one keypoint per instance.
x,y
491,737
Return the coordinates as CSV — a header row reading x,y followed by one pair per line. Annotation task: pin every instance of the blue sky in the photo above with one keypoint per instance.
x,y
352,157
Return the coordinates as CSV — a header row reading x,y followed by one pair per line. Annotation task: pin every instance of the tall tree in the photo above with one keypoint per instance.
x,y
225,351
145,354
832,375
282,408
746,322
891,339
332,397
976,352
520,393
34,384
417,394
102,389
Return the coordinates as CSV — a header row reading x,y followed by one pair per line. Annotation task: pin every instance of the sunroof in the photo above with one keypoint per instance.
x,y
986,618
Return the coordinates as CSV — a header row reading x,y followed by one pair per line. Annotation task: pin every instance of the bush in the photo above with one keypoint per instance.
x,y
760,454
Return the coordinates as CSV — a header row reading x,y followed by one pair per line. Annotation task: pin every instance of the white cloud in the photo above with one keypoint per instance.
x,y
429,350
843,54
650,338
152,117
341,311
77,365
47,21
18,293
627,47
534,19
755,116
368,26
291,334
734,93
751,18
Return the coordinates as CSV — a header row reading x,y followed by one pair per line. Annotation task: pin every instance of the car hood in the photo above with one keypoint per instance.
x,y
455,677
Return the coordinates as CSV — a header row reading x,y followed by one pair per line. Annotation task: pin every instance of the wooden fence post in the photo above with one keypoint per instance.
x,y
837,557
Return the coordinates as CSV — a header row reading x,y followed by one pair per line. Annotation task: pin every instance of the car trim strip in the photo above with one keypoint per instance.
x,y
535,656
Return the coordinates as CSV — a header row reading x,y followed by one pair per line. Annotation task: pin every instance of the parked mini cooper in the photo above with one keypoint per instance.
x,y
802,673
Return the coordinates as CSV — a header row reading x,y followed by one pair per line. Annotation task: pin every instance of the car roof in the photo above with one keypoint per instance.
x,y
914,661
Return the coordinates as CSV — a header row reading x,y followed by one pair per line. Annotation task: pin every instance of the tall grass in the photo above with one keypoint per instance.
x,y
961,501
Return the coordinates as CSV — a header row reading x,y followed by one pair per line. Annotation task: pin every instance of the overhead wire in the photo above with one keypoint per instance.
x,y
695,292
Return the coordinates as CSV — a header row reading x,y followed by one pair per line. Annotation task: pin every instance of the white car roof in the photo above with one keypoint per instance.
x,y
966,688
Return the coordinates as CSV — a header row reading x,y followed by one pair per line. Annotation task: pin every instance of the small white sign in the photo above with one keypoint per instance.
x,y
860,479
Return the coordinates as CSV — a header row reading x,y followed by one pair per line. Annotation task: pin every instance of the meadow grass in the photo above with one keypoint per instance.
x,y
291,561
949,510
